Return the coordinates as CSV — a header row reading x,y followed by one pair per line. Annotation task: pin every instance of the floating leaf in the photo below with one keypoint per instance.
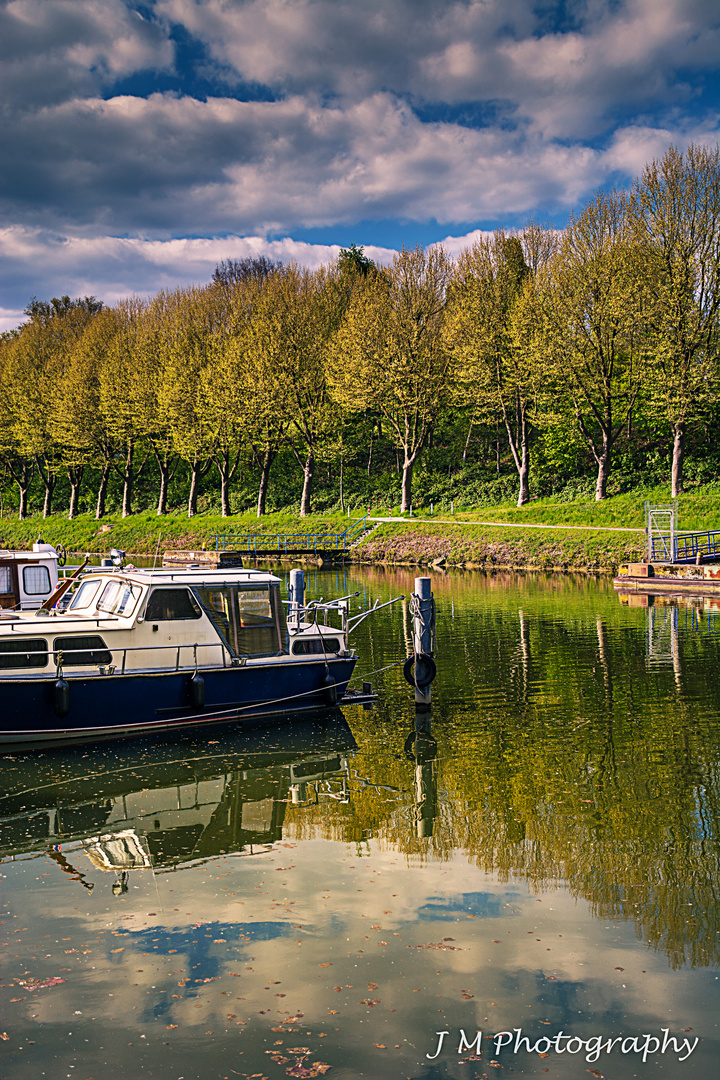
x,y
40,984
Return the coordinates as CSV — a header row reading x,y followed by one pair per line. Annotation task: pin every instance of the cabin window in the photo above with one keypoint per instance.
x,y
82,651
167,605
251,620
315,646
5,579
36,580
85,595
117,598
23,653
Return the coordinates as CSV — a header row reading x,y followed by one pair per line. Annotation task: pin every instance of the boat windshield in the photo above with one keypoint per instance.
x,y
250,619
118,598
85,595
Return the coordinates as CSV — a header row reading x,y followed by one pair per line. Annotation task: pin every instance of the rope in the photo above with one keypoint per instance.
x,y
377,671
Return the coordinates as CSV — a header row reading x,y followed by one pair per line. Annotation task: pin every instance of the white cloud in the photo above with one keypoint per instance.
x,y
551,111
613,57
164,165
53,50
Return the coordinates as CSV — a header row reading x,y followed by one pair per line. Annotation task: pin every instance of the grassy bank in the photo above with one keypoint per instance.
x,y
471,537
491,546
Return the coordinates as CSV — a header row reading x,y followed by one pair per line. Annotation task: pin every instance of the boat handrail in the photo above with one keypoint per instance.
x,y
228,659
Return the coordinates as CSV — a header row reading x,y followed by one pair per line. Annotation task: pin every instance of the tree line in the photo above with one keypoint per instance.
x,y
544,349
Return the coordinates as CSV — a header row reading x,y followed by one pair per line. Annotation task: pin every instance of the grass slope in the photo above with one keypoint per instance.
x,y
466,540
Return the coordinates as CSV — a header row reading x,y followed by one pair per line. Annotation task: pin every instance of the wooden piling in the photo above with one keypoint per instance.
x,y
423,610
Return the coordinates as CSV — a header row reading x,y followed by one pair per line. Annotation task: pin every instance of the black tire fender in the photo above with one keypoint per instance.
x,y
419,670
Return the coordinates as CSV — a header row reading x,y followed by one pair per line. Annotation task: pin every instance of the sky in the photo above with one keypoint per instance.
x,y
143,143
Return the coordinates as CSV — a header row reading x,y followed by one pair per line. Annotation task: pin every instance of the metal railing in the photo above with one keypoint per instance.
x,y
290,543
58,657
689,545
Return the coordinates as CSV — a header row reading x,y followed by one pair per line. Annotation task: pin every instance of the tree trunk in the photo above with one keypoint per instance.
x,y
193,493
167,471
23,508
227,471
75,475
467,443
497,449
49,490
407,484
603,460
49,479
307,484
523,473
264,480
519,441
678,459
225,495
102,491
128,481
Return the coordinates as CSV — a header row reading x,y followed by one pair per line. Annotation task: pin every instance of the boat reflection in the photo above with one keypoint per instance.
x,y
161,805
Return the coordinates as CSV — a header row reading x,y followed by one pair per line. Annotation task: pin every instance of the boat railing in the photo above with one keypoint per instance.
x,y
188,652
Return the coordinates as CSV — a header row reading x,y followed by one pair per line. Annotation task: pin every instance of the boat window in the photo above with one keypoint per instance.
x,y
118,597
315,646
23,653
251,620
82,651
36,580
166,605
85,595
109,595
5,579
126,600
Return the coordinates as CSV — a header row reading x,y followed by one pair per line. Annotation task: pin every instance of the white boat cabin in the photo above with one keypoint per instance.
x,y
28,578
135,620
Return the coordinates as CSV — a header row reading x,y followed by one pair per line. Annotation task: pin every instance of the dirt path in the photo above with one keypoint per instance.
x,y
502,524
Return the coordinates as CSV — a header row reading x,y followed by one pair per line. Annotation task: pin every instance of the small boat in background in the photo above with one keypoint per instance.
x,y
28,578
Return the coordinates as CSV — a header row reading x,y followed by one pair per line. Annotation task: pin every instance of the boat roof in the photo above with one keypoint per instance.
x,y
26,556
191,575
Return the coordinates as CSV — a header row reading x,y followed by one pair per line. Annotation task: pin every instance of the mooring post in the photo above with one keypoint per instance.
x,y
296,595
423,611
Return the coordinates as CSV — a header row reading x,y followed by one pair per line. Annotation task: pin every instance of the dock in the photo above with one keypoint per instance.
x,y
666,577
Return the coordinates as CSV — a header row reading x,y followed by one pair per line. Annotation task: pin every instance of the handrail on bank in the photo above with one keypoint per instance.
x,y
686,547
252,543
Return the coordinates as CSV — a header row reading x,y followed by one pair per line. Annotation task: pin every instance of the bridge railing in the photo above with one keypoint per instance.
x,y
689,545
310,543
685,547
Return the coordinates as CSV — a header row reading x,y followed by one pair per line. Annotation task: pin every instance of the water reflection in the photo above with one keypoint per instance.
x,y
541,847
162,805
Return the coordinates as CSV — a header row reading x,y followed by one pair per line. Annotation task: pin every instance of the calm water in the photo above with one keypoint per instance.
x,y
324,899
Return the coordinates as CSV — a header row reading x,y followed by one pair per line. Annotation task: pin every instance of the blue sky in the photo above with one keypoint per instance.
x,y
144,142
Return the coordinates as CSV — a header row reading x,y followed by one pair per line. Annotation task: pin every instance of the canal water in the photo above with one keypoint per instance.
x,y
533,871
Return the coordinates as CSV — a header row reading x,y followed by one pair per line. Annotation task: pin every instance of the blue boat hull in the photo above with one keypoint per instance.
x,y
116,706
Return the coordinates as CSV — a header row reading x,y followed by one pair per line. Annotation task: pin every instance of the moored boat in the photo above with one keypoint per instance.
x,y
129,651
28,578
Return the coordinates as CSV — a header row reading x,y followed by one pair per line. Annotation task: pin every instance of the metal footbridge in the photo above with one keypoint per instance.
x,y
667,545
321,544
